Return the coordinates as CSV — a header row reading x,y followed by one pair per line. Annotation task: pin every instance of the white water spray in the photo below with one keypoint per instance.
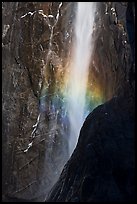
x,y
78,76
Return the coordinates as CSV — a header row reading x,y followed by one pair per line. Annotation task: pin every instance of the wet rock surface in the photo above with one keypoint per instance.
x,y
33,39
34,150
102,167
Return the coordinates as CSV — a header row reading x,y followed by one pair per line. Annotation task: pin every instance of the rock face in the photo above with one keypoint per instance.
x,y
36,43
112,53
34,150
102,167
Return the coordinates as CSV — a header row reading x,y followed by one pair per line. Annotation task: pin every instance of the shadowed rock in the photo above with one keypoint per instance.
x,y
102,166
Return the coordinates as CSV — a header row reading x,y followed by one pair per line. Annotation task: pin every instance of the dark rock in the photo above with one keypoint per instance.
x,y
25,45
105,153
102,167
12,199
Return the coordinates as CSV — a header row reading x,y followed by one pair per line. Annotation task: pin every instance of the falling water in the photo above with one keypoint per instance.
x,y
78,75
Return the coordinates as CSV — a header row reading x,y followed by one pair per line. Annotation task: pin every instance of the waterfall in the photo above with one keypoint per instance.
x,y
78,72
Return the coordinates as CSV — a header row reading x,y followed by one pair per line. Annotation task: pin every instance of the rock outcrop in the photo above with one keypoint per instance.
x,y
36,37
36,43
102,167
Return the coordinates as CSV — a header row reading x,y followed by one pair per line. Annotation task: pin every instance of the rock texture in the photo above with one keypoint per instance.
x,y
112,53
102,167
37,36
34,150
